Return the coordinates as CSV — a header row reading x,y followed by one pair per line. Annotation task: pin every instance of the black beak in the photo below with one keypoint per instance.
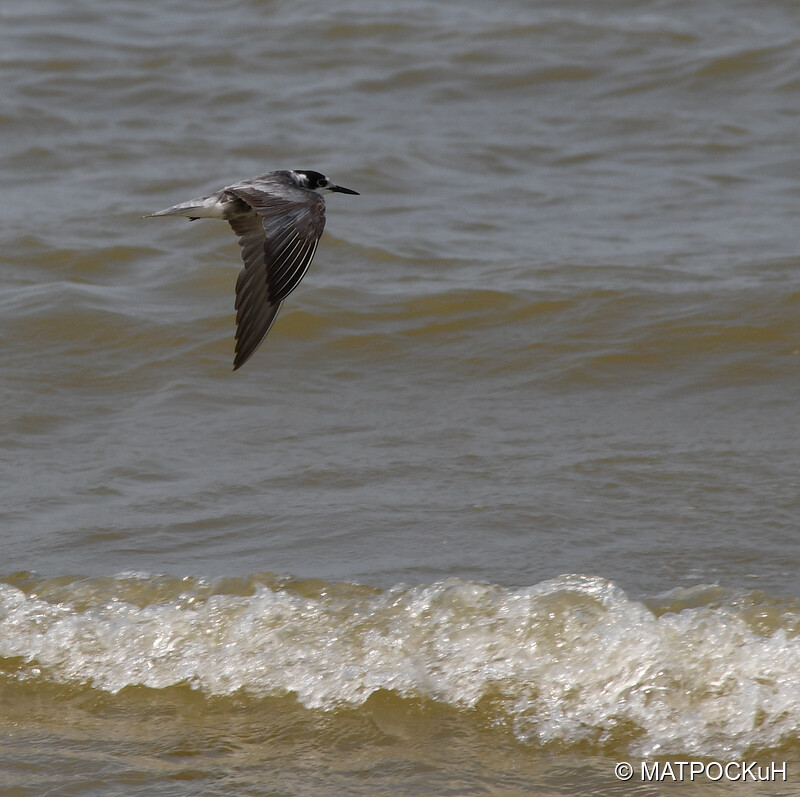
x,y
340,190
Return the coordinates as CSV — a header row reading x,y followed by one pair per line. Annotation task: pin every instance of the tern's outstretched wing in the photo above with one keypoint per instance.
x,y
278,237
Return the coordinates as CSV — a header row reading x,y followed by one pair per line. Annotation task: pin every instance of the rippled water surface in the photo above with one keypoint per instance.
x,y
511,490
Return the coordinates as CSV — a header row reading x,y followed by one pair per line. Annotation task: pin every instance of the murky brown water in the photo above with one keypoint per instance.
x,y
556,334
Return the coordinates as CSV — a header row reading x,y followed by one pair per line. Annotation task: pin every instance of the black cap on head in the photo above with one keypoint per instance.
x,y
315,181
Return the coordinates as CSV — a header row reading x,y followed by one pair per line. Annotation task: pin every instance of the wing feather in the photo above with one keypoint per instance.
x,y
279,237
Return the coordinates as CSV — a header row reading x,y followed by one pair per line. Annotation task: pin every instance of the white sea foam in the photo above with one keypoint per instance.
x,y
569,660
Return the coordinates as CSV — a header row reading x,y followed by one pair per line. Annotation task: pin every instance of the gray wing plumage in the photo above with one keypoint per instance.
x,y
278,235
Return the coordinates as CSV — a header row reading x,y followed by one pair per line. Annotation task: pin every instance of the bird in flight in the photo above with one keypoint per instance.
x,y
278,218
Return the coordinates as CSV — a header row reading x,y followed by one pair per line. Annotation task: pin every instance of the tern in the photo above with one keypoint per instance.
x,y
278,218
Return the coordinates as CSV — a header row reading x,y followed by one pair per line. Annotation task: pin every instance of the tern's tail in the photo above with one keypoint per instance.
x,y
204,207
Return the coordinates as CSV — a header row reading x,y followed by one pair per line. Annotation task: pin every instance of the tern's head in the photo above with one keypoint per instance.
x,y
314,181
